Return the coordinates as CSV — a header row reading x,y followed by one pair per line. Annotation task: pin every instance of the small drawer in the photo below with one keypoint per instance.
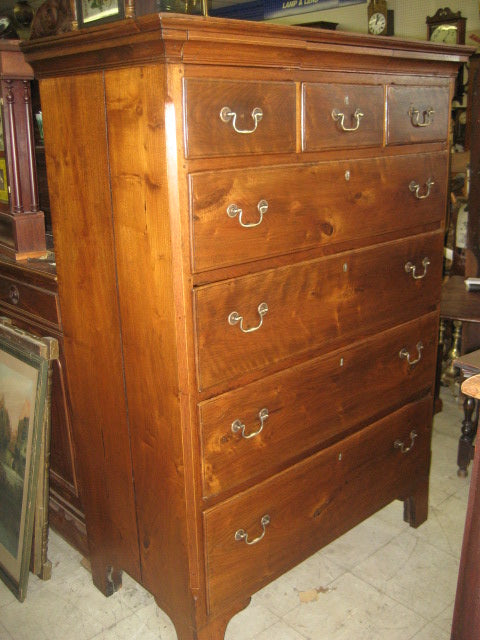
x,y
248,323
262,212
293,514
34,302
225,118
417,114
342,115
259,428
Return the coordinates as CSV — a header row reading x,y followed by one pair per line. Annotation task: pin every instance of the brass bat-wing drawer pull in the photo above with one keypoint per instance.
x,y
235,318
405,354
241,534
233,210
226,114
411,268
427,117
415,188
237,425
339,117
398,444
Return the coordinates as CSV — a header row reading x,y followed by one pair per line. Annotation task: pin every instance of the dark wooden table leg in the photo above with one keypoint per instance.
x,y
469,430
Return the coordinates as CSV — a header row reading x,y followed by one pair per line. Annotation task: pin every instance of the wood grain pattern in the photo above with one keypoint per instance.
x,y
313,502
207,135
317,205
313,404
88,298
317,305
400,128
322,131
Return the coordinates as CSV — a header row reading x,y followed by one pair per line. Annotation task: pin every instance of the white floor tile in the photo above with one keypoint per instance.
x,y
354,610
414,573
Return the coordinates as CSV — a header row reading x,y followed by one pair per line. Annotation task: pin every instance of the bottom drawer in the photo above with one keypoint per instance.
x,y
310,504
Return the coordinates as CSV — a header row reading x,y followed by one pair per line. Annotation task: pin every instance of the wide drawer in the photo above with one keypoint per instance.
x,y
23,298
256,429
417,114
309,505
243,215
342,115
225,118
250,322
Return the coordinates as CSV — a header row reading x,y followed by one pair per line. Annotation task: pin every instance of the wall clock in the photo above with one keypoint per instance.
x,y
380,19
446,27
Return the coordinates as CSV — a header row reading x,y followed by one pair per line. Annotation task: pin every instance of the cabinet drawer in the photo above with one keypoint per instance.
x,y
342,115
250,322
225,118
417,114
299,409
244,215
23,298
312,503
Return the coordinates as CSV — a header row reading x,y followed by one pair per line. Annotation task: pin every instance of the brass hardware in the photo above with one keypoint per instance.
x,y
345,267
415,187
339,116
347,175
415,117
235,318
398,444
233,210
237,425
226,114
14,294
241,534
405,354
411,268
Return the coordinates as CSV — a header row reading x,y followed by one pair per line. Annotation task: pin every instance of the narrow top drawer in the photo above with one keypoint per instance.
x,y
224,118
417,114
342,115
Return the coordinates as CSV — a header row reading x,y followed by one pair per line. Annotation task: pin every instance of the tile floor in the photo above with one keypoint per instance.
x,y
381,581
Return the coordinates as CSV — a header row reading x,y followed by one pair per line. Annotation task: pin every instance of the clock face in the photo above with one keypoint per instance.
x,y
446,33
377,23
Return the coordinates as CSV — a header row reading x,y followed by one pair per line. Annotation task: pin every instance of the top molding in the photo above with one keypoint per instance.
x,y
206,40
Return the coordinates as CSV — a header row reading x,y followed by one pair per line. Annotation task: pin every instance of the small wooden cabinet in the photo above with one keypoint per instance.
x,y
248,223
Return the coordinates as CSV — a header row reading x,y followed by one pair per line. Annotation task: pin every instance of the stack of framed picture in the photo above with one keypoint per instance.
x,y
25,379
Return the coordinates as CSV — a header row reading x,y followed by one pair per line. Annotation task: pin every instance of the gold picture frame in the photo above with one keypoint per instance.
x,y
3,181
23,412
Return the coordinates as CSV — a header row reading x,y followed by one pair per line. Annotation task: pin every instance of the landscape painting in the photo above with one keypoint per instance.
x,y
20,430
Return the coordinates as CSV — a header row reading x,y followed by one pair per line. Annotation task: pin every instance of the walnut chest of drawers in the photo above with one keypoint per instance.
x,y
249,274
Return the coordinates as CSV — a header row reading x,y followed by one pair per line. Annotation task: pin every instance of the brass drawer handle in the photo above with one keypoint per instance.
x,y
415,187
411,268
238,425
398,444
235,318
233,210
226,114
339,116
427,117
14,294
405,354
241,534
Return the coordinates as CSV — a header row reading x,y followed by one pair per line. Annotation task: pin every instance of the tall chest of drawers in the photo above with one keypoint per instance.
x,y
249,278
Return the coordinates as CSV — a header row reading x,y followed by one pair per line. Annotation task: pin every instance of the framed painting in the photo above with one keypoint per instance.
x,y
91,12
23,392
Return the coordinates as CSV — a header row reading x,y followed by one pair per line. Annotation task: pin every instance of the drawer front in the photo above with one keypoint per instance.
x,y
23,298
312,503
258,428
250,322
225,118
243,215
417,114
342,115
